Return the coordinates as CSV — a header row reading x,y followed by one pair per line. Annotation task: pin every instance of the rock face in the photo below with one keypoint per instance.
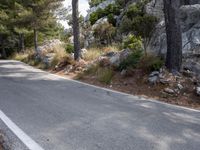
x,y
190,22
102,5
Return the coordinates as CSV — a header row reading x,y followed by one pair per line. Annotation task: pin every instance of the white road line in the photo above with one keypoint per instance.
x,y
28,141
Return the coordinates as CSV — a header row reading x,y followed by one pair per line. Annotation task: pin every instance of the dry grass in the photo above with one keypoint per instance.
x,y
60,55
23,56
95,52
92,54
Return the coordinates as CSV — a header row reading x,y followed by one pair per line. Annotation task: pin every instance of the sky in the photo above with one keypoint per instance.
x,y
83,7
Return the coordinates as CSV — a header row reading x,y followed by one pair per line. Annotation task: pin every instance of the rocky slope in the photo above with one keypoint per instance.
x,y
190,22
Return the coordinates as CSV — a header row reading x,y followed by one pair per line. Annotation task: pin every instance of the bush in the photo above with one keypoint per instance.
x,y
111,19
69,48
132,42
151,63
132,60
109,11
93,18
105,75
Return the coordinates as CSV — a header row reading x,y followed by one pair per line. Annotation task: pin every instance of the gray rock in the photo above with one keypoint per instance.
x,y
123,72
154,73
115,60
48,58
198,91
169,91
119,57
153,80
68,69
180,87
164,81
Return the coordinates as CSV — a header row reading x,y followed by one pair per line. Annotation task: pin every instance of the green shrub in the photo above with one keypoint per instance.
x,y
111,19
109,11
132,42
92,70
69,48
93,18
93,3
105,75
132,60
151,63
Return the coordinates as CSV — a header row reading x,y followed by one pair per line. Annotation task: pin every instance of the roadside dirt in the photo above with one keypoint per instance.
x,y
137,84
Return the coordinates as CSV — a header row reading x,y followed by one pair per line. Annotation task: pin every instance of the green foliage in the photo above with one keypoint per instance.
x,y
93,17
151,63
111,19
69,48
93,3
110,11
104,33
137,21
144,25
126,25
131,61
132,42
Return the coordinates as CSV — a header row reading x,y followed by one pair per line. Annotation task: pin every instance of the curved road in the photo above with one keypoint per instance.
x,y
61,114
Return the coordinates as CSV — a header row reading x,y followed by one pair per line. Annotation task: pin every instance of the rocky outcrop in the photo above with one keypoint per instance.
x,y
189,16
102,5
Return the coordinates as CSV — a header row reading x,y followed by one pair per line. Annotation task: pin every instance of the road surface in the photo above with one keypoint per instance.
x,y
61,114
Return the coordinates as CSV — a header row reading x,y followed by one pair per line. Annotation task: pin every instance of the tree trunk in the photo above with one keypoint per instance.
x,y
21,44
174,35
4,55
35,41
76,32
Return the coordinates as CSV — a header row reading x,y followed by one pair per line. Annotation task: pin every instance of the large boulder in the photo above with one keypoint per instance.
x,y
114,58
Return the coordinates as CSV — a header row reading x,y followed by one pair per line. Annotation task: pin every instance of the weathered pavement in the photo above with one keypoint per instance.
x,y
61,114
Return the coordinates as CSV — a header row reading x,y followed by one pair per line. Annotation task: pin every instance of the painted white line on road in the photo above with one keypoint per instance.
x,y
28,141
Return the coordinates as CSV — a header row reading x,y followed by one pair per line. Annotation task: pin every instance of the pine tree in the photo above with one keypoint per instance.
x,y
42,14
76,30
174,36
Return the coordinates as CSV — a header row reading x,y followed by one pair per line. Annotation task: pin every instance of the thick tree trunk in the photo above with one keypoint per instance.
x,y
76,32
174,36
35,40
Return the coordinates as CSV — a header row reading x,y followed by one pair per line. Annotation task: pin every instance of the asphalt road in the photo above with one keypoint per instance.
x,y
62,114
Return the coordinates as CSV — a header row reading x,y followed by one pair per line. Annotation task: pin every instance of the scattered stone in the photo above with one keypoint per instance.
x,y
180,87
68,69
83,51
123,72
154,73
169,91
164,81
153,80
